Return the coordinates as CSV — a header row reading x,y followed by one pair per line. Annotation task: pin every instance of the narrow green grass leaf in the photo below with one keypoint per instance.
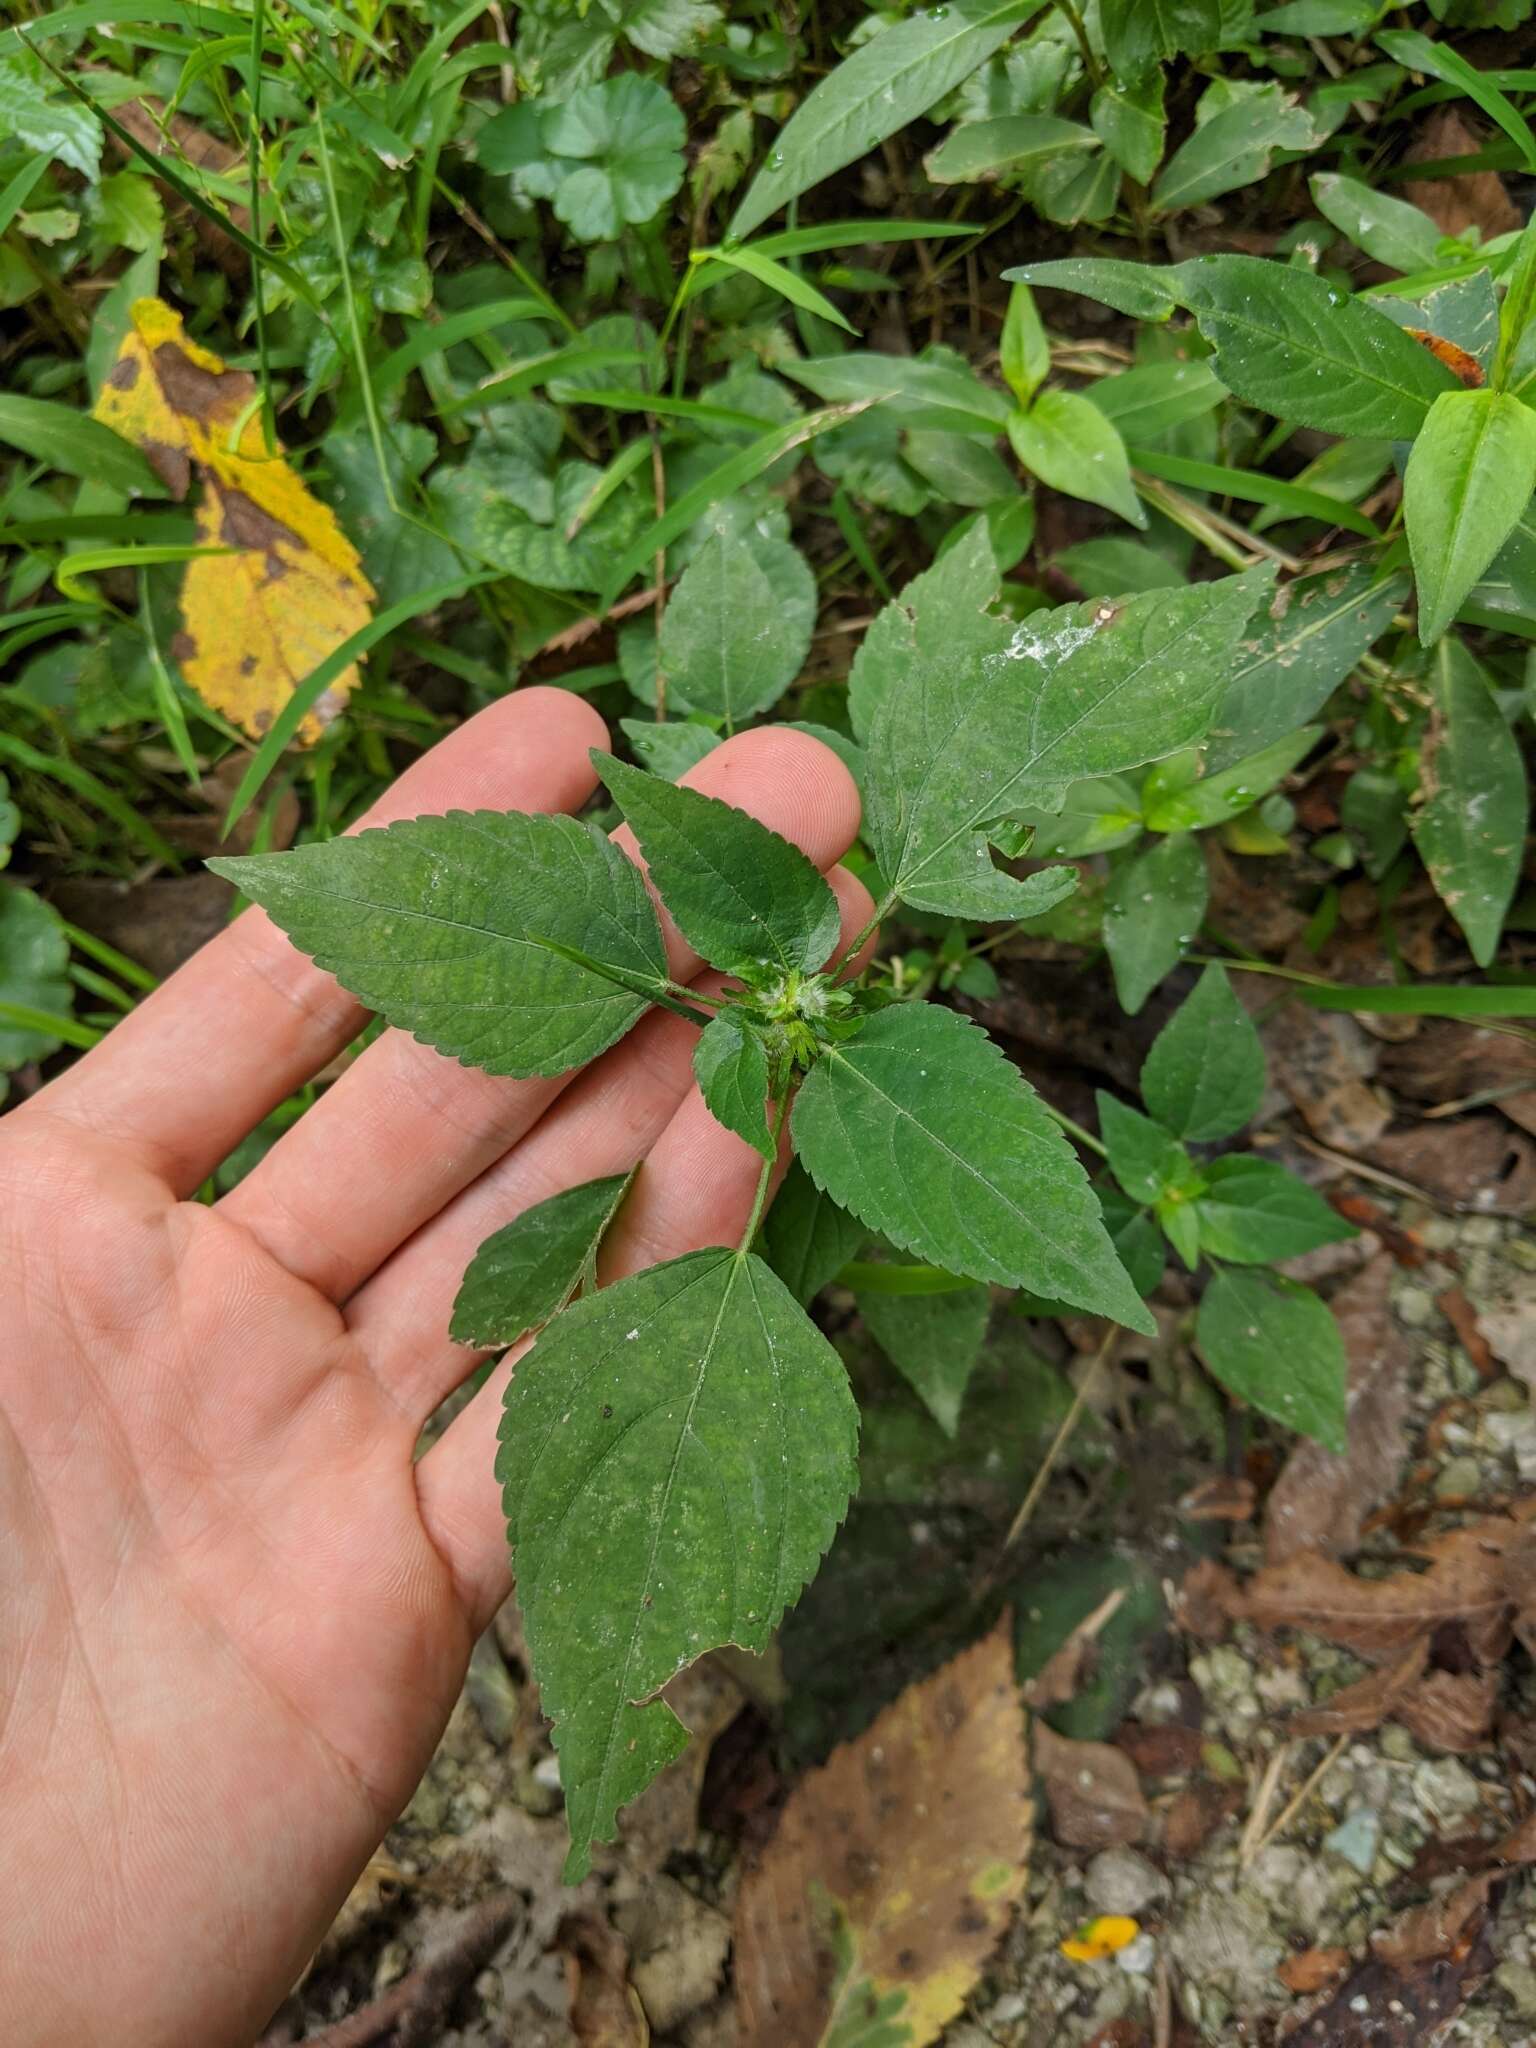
x,y
1253,487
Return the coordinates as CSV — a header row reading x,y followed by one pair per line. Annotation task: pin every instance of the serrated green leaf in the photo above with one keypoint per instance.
x,y
724,640
1254,1212
922,1128
730,1064
807,1238
1275,1345
1470,831
1153,910
1389,230
1067,442
1469,478
1204,1075
1306,351
532,1266
669,750
933,1340
742,896
1142,291
1234,146
990,724
1144,1158
676,1454
940,615
440,923
1295,653
627,135
884,85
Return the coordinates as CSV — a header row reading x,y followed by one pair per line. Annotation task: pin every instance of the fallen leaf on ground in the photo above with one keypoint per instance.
x,y
1469,1581
1222,1499
185,143
1165,1749
1312,1969
1368,1702
257,619
604,2009
1205,1600
1323,1061
1467,1162
1196,1813
1451,1710
1390,2005
1321,1499
1440,1927
1470,198
1091,1788
1446,1062
895,1867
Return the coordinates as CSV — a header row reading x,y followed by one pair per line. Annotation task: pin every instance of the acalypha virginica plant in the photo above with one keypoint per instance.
x,y
678,1448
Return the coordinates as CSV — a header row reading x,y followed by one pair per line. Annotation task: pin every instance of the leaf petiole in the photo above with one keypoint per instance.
x,y
760,1199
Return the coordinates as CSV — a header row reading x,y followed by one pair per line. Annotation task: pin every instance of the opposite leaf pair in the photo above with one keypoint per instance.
x,y
678,1449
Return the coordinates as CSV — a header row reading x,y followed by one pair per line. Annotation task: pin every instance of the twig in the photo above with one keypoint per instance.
x,y
1059,1443
1294,1805
570,637
415,2011
1253,1836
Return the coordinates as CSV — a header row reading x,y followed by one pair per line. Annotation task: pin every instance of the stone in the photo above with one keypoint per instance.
x,y
1517,1981
1138,1957
1447,1792
1226,1943
1356,1839
1416,1307
1459,1479
1121,1881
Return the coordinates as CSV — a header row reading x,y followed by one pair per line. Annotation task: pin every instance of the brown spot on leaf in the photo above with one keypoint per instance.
x,y
124,373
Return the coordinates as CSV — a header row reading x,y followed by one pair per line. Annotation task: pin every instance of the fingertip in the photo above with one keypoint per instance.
x,y
529,751
789,780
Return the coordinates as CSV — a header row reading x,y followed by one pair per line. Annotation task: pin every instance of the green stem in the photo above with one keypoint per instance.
x,y
1074,1130
760,1199
878,917
1092,70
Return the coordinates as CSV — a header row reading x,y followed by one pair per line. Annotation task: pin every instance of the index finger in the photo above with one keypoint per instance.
x,y
249,1018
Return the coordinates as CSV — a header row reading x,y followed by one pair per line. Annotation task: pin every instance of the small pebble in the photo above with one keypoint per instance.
x,y
1138,1957
1356,1839
1416,1307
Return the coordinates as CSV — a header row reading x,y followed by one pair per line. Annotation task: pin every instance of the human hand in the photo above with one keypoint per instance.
x,y
235,1615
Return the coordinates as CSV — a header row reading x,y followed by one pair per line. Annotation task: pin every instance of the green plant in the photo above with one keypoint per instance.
x,y
688,1430
1202,1082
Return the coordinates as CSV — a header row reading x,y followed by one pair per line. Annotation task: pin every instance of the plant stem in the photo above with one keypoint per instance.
x,y
1074,1130
760,1199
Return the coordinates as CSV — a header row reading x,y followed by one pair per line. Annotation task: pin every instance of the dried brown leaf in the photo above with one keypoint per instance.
x,y
1466,1583
1220,1499
1312,1969
1321,1499
1164,1749
1442,1926
896,1867
1451,1710
1196,1813
1092,1791
1369,1701
604,2009
1466,1162
1470,198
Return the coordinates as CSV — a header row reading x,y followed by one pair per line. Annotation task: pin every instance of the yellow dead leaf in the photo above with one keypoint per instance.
x,y
258,620
894,1869
1098,1939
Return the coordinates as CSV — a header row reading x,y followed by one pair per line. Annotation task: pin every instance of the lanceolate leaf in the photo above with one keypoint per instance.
x,y
1253,1211
1069,444
885,84
1204,1075
1296,651
1468,480
1231,146
981,732
725,647
742,896
533,1265
1277,1346
922,1128
730,1064
676,1454
1153,909
1143,291
440,924
1304,350
1471,830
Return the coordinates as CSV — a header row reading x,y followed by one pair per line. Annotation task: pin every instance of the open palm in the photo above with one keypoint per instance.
x,y
234,1613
